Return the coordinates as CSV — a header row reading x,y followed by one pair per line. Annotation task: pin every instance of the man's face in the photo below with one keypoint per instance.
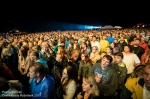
x,y
137,42
105,62
32,73
146,76
118,59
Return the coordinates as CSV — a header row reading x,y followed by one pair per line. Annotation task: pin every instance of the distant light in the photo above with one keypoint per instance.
x,y
87,27
93,27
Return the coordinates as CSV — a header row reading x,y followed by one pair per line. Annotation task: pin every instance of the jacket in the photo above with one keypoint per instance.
x,y
133,89
84,68
121,72
109,82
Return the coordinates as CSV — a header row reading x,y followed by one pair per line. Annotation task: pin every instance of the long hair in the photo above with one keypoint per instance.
x,y
24,51
87,59
71,76
90,80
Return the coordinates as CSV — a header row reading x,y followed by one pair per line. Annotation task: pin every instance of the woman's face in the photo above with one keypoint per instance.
x,y
112,45
87,42
94,49
82,57
85,86
64,73
126,49
108,50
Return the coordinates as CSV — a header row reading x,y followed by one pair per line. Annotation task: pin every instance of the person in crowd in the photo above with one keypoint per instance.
x,y
130,59
138,50
41,85
138,86
34,56
68,83
106,77
94,56
121,70
89,89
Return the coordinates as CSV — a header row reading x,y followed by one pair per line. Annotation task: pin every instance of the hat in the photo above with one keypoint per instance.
x,y
138,71
3,81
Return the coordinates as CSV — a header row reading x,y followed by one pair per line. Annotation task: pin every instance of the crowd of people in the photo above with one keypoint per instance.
x,y
90,64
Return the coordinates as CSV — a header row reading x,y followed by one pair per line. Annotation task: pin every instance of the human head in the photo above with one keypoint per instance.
x,y
89,85
59,57
36,70
68,72
128,48
146,75
45,46
34,55
109,49
118,57
106,60
138,71
137,41
102,54
84,57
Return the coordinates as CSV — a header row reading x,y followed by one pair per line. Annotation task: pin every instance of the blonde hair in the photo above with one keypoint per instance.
x,y
90,80
97,52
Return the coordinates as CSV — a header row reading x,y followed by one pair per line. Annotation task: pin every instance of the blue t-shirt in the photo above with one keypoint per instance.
x,y
45,89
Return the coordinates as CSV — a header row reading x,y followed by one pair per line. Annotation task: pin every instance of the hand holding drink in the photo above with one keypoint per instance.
x,y
98,77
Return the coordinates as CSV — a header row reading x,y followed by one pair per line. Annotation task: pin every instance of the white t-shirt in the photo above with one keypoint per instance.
x,y
146,93
130,60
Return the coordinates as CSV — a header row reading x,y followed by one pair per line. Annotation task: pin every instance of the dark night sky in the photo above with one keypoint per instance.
x,y
99,13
